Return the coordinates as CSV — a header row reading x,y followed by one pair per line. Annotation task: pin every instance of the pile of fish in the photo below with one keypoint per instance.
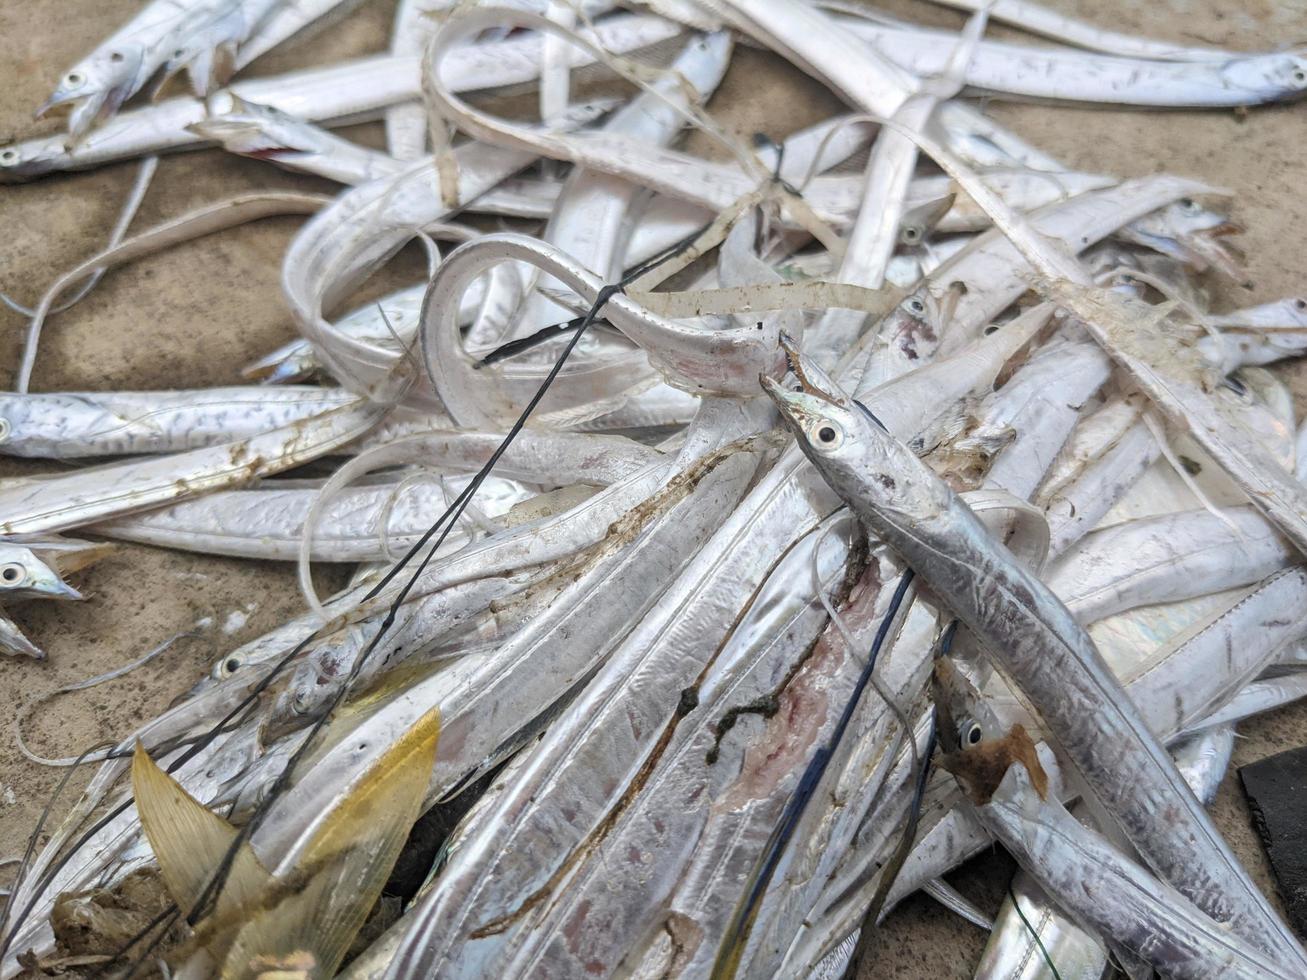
x,y
740,544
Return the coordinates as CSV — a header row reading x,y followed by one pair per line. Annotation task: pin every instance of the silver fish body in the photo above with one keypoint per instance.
x,y
904,502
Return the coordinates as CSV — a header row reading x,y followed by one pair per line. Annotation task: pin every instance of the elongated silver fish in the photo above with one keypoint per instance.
x,y
1041,648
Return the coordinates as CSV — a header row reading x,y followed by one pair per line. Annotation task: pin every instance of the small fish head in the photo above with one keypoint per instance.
x,y
25,576
863,463
1188,217
1191,233
820,415
303,694
963,717
1260,402
978,749
915,326
96,87
1294,310
251,129
1268,78
23,161
918,222
83,81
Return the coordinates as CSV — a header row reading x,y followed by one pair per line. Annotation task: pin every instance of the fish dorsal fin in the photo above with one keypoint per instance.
x,y
190,841
304,925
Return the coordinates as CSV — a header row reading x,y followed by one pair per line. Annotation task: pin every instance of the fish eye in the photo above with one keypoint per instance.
x,y
116,56
827,435
1299,76
911,233
970,732
8,157
1189,206
915,306
12,574
1300,304
231,665
74,78
991,329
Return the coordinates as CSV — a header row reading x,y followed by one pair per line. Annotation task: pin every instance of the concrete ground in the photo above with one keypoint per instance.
x,y
193,316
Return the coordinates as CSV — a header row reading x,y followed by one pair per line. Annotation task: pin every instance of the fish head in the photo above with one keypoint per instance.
x,y
252,129
815,409
95,87
1268,77
33,158
918,222
25,576
1193,234
863,463
963,717
1184,217
914,327
978,748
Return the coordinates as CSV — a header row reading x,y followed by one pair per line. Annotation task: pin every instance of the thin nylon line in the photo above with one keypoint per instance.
x,y
167,918
283,779
601,299
1035,935
31,848
742,922
263,684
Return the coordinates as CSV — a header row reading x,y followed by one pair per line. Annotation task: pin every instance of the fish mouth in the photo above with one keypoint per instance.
x,y
86,110
805,405
61,100
1215,248
803,371
1225,229
65,591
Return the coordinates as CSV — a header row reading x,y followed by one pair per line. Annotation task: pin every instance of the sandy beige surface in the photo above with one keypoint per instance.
x,y
193,316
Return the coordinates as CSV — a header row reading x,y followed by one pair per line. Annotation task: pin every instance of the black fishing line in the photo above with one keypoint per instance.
x,y
871,415
455,509
889,871
167,918
1033,932
522,344
742,922
31,843
460,503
